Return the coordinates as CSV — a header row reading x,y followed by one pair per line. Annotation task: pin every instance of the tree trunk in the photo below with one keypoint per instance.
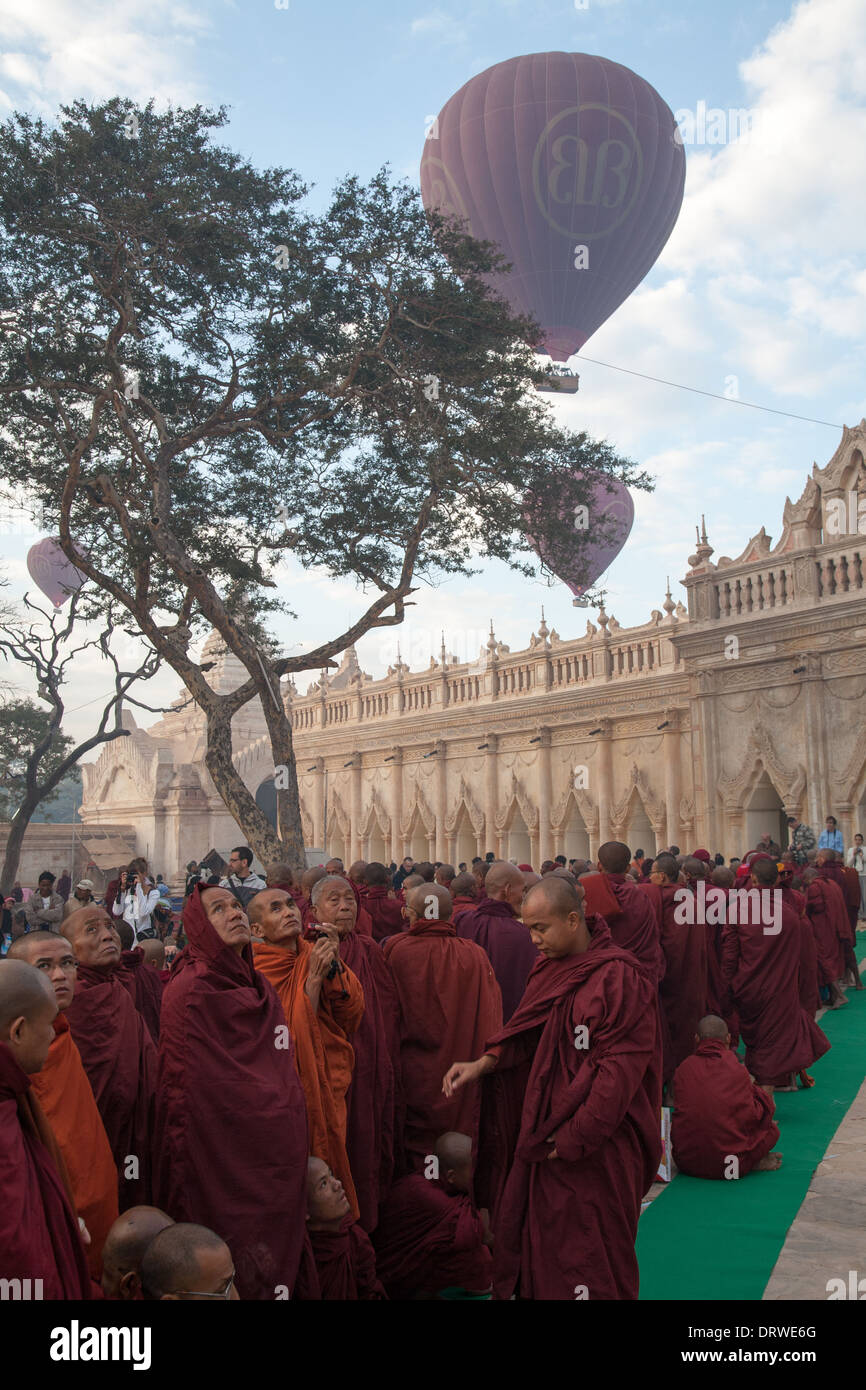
x,y
290,827
17,828
239,801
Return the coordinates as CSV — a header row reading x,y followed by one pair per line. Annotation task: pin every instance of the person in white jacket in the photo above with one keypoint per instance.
x,y
136,900
856,859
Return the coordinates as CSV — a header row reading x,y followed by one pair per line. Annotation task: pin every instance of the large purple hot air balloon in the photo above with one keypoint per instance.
x,y
53,572
573,165
601,528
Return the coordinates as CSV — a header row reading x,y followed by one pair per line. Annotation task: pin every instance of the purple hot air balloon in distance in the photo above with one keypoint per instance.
x,y
601,529
53,572
574,167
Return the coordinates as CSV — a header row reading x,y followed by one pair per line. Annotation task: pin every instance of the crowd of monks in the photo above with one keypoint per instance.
x,y
451,1089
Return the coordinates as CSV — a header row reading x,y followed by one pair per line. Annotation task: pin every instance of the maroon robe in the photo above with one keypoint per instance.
x,y
566,1227
429,1239
39,1235
449,1005
635,927
763,971
810,995
719,1113
231,1148
496,927
374,1099
119,1057
825,908
144,986
683,991
346,1264
386,913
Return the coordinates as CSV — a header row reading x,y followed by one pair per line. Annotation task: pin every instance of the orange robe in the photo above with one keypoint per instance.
x,y
66,1098
323,1054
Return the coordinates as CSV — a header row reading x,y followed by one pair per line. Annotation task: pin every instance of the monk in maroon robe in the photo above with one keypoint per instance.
x,y
849,881
450,1005
116,1049
231,1119
386,913
634,928
344,1257
465,895
144,987
589,1142
495,925
374,1099
683,990
40,1242
431,1236
810,994
825,908
722,1124
761,963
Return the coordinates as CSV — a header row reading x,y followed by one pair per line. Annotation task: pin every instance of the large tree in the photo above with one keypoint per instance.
x,y
199,374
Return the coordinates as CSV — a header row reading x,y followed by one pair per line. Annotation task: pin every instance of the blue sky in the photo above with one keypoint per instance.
x,y
763,279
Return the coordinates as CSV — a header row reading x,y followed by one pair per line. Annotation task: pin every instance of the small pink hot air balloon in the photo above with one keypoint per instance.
x,y
601,528
53,572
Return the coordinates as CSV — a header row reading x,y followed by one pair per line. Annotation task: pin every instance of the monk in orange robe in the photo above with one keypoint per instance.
x,y
66,1098
324,1003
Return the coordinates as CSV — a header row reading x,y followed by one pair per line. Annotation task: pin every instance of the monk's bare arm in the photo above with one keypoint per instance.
x,y
463,1073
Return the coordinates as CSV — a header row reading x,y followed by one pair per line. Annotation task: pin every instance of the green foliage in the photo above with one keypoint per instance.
x,y
23,725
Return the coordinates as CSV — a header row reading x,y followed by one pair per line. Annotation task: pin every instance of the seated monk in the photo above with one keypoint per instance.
x,y
39,1232
124,1250
186,1261
430,1235
634,927
323,1006
385,912
450,1005
345,1259
719,1112
231,1119
496,926
373,1127
66,1098
116,1049
465,895
579,1064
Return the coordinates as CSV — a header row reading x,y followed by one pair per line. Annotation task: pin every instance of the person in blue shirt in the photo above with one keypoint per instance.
x,y
831,838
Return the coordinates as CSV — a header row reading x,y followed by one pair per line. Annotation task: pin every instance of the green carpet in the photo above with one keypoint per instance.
x,y
720,1240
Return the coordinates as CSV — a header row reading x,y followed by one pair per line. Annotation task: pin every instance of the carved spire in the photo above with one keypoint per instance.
x,y
603,620
669,606
543,629
443,655
492,644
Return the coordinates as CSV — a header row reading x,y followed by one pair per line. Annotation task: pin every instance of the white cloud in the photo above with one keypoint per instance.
x,y
438,27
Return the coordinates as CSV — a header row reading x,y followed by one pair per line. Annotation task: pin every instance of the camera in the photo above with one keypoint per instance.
x,y
313,934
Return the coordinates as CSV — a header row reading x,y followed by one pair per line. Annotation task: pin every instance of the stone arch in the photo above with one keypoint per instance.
x,y
764,810
338,839
516,824
375,831
760,755
639,815
574,822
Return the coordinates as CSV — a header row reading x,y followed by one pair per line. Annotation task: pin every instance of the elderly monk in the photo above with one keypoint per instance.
x,y
66,1098
431,1237
386,913
683,989
124,1250
116,1048
231,1118
579,1063
345,1259
323,1003
39,1234
720,1114
634,927
188,1261
450,1004
373,1124
761,963
495,925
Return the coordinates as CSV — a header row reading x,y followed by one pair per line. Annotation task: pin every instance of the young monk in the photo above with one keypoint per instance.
x,y
495,925
345,1259
323,1003
635,927
450,1004
720,1114
373,1124
124,1250
66,1098
39,1232
231,1119
116,1049
386,913
431,1237
579,1062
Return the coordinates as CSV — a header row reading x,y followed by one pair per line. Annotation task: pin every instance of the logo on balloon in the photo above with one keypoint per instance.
x,y
444,195
587,170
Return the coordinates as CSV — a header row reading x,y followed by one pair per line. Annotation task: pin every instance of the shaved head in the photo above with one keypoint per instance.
x,y
431,902
560,895
154,951
454,1153
722,877
764,872
377,876
173,1260
445,875
279,873
694,868
712,1026
27,947
412,881
614,857
464,886
24,991
124,1250
356,870
667,865
311,877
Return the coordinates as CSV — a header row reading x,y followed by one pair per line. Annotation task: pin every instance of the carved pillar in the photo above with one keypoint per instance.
x,y
671,746
605,783
542,834
818,797
318,802
441,787
708,818
355,812
491,795
396,789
